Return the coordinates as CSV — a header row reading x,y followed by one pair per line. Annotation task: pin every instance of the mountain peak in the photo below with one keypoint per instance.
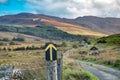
x,y
88,17
25,15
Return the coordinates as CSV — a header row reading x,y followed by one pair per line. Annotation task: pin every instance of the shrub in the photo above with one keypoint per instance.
x,y
5,39
75,46
64,44
12,43
19,48
1,43
102,41
18,39
4,49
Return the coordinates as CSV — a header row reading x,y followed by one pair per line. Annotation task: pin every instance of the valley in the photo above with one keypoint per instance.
x,y
91,49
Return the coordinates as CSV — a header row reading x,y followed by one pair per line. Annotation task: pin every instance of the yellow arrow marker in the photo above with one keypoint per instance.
x,y
50,46
50,52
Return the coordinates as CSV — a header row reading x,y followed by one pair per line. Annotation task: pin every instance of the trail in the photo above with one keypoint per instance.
x,y
102,72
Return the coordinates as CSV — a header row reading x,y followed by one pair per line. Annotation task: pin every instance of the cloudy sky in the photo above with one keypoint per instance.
x,y
62,8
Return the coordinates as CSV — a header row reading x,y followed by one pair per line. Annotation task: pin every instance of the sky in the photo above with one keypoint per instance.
x,y
62,8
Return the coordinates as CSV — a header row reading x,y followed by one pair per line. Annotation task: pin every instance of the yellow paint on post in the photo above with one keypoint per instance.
x,y
50,45
50,52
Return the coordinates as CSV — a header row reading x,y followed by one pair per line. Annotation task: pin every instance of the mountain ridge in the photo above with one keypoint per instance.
x,y
88,25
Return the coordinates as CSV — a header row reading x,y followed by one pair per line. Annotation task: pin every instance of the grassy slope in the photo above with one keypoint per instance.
x,y
109,52
47,32
73,29
11,35
112,39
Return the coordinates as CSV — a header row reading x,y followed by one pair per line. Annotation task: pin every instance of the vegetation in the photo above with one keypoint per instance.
x,y
75,46
18,39
79,75
108,56
64,44
73,72
48,32
12,43
114,64
108,48
5,39
33,66
111,40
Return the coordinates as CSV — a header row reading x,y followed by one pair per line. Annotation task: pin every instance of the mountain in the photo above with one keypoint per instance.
x,y
88,25
103,25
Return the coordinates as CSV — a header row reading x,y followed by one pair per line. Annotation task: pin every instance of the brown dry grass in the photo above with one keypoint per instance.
x,y
23,44
11,35
108,57
23,59
73,29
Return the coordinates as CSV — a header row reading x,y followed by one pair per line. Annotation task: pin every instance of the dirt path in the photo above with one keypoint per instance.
x,y
102,72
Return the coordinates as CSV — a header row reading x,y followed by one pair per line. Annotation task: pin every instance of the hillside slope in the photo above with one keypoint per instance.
x,y
11,35
112,39
37,19
103,25
42,31
73,29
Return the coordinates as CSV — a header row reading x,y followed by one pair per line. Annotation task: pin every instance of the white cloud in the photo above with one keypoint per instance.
x,y
3,1
75,8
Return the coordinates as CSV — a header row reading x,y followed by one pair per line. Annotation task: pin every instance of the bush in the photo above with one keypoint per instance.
x,y
64,44
32,48
18,39
4,49
5,39
12,43
27,48
1,43
102,41
19,48
75,46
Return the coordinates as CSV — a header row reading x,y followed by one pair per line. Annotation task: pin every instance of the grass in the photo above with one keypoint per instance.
x,y
33,66
73,71
110,40
109,52
46,32
108,56
11,35
111,61
79,75
31,62
74,29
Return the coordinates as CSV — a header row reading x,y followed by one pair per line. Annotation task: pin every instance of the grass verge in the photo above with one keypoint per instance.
x,y
115,64
75,72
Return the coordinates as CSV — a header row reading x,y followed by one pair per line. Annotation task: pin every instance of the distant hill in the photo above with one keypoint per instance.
x,y
103,25
66,25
